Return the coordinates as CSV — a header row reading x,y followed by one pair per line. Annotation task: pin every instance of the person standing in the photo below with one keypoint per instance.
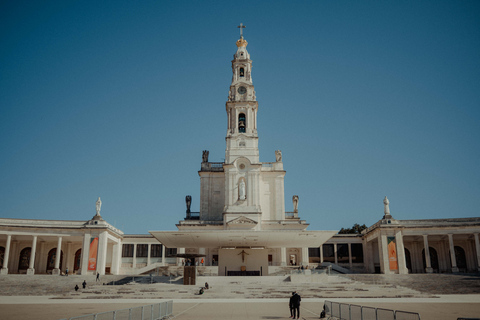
x,y
84,284
290,305
98,277
66,272
296,305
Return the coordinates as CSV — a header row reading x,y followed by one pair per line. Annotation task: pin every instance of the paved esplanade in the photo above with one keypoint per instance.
x,y
233,297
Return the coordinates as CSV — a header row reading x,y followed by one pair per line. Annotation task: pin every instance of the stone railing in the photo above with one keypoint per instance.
x,y
193,216
212,166
291,215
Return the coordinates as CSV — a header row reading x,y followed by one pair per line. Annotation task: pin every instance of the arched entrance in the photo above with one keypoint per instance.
x,y
24,259
51,259
433,259
2,256
77,261
460,258
408,260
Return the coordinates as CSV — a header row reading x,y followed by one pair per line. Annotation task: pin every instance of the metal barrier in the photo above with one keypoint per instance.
x,y
151,312
344,311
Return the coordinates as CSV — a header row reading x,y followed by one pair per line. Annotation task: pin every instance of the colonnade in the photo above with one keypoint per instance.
x,y
37,259
449,259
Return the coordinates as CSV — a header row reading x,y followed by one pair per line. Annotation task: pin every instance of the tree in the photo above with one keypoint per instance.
x,y
356,229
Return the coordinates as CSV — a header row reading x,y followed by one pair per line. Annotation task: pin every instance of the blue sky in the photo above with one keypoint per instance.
x,y
118,99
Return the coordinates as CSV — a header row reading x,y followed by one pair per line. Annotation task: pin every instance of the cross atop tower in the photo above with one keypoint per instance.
x,y
241,26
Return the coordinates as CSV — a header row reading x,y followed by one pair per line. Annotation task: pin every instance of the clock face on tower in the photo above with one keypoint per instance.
x,y
242,90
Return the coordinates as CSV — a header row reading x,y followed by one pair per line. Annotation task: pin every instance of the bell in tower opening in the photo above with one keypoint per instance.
x,y
241,122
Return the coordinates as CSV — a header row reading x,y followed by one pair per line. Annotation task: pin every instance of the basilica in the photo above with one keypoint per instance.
x,y
242,228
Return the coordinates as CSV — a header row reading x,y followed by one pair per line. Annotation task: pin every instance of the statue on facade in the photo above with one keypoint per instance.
x,y
98,206
295,203
386,209
188,201
241,190
205,156
278,155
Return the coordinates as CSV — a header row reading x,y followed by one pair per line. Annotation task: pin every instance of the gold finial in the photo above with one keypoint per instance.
x,y
242,43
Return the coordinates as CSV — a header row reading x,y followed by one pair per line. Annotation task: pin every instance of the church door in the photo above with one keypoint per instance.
x,y
433,259
77,263
51,259
24,259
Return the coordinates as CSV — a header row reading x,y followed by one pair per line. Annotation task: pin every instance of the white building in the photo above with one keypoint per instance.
x,y
242,227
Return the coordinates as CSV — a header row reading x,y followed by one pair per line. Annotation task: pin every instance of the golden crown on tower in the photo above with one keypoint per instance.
x,y
242,42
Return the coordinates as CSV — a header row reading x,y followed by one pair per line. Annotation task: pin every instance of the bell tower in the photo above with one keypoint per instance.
x,y
242,106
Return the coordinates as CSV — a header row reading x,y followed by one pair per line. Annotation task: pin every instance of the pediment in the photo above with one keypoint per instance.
x,y
242,221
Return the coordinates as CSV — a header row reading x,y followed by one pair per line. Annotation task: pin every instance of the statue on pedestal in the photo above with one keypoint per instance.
x,y
188,201
278,155
205,156
295,203
98,206
386,210
241,190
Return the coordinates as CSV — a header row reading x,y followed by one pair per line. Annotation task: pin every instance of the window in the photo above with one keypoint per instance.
x,y
142,250
241,122
242,72
171,252
127,250
328,254
156,251
314,255
357,253
342,253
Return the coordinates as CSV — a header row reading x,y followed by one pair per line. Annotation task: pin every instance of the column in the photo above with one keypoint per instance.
x,y
350,255
149,247
402,264
68,258
179,260
452,253
305,259
428,268
85,250
477,247
321,254
163,255
58,255
7,255
116,258
370,257
202,251
383,252
102,253
42,259
31,269
283,256
335,253
134,263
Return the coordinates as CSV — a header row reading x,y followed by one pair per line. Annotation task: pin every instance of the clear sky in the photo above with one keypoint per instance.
x,y
117,99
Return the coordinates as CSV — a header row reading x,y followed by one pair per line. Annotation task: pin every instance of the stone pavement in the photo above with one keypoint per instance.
x,y
49,297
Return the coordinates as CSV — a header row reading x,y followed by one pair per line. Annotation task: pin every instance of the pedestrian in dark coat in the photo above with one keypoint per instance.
x,y
290,304
296,305
84,284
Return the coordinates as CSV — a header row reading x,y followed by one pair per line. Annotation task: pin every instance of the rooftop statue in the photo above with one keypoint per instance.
x,y
98,206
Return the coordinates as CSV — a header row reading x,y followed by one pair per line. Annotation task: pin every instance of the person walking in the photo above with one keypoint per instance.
x,y
296,305
84,284
66,272
98,277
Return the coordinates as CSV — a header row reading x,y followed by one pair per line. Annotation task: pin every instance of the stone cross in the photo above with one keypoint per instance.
x,y
243,253
241,26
